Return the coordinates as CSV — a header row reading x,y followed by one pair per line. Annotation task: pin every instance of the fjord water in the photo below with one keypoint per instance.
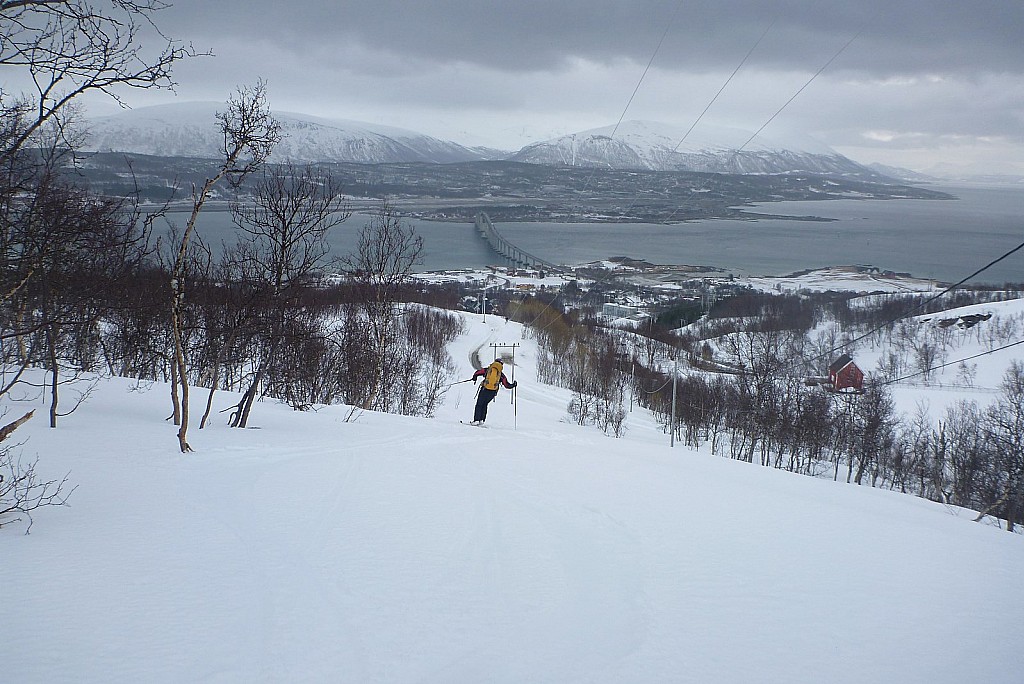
x,y
941,239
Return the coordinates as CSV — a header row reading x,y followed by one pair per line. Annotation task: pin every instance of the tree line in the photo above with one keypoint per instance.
x,y
59,244
91,284
972,456
750,389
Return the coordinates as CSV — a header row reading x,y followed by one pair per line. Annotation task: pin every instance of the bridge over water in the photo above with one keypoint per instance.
x,y
508,250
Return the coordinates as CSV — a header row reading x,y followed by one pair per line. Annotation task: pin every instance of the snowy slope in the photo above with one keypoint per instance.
x,y
189,129
394,549
663,147
947,384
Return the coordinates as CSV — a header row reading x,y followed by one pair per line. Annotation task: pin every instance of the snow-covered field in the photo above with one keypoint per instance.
x,y
978,378
839,278
396,549
848,279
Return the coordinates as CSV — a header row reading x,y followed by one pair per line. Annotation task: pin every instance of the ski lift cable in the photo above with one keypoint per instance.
x,y
735,71
708,107
949,363
636,89
828,63
655,391
803,362
919,306
925,302
724,85
799,90
790,100
692,126
657,49
793,365
625,109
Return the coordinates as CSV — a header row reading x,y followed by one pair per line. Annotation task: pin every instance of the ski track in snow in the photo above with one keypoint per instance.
x,y
396,549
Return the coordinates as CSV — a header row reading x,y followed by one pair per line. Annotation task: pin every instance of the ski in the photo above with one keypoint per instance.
x,y
464,422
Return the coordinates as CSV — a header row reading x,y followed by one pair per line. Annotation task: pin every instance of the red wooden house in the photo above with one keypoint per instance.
x,y
843,374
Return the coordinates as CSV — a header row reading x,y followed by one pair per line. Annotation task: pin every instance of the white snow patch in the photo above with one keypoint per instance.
x,y
395,549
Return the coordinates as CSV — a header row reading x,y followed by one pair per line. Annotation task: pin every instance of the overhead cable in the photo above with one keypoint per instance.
x,y
923,304
727,81
950,363
801,89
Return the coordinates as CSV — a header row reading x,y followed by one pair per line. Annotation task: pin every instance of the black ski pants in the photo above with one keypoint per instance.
x,y
485,397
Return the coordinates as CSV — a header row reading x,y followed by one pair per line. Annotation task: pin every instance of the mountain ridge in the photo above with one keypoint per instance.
x,y
654,146
189,129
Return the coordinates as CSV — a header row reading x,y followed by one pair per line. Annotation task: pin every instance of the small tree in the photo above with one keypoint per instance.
x,y
378,270
249,135
966,373
873,423
1006,429
79,247
282,246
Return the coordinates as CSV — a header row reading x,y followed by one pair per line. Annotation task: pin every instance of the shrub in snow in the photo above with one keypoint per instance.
x,y
22,490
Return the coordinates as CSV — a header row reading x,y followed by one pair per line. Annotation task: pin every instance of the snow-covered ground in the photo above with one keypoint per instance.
x,y
985,356
501,277
396,549
841,279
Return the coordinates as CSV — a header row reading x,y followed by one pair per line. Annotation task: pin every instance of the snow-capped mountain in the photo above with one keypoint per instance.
x,y
190,130
663,147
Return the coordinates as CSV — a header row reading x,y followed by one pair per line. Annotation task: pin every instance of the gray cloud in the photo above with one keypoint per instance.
x,y
931,71
896,35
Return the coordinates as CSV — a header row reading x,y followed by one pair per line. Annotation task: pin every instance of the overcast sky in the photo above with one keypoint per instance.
x,y
920,82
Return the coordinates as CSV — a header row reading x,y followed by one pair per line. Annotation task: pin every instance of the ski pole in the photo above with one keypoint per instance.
x,y
459,382
513,373
515,395
515,409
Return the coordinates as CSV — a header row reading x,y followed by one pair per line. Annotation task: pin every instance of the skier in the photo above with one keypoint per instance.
x,y
493,377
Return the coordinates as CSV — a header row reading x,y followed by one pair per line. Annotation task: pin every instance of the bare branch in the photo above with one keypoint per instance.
x,y
21,490
6,430
70,47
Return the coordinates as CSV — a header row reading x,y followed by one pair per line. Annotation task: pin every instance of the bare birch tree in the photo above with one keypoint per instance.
x,y
249,135
51,53
380,267
283,243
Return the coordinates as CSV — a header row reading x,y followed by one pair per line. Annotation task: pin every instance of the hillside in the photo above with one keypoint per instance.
x,y
642,175
396,549
656,146
189,129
